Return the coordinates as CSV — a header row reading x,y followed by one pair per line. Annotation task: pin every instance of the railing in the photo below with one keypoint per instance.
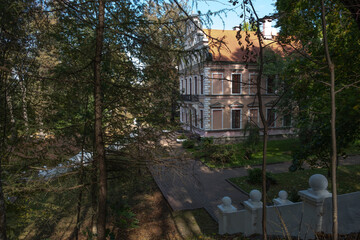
x,y
301,219
189,98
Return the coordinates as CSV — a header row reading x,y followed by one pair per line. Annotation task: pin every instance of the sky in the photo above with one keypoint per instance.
x,y
231,18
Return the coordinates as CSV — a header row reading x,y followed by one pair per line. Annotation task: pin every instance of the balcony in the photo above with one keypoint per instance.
x,y
189,98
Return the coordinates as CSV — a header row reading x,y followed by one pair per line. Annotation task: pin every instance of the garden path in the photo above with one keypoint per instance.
x,y
189,184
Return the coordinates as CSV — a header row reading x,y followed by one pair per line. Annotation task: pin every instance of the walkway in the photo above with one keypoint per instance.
x,y
189,184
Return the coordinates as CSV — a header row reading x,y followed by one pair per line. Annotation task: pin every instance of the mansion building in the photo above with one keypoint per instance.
x,y
217,84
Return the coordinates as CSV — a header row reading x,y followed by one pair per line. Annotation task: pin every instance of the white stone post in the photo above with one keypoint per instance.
x,y
313,200
252,205
282,199
225,208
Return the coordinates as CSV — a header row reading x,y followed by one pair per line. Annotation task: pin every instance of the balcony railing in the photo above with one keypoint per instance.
x,y
189,98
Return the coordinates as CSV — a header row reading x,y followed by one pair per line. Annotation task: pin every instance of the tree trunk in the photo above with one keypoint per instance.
x,y
99,142
263,121
2,153
265,140
24,105
333,125
2,208
11,113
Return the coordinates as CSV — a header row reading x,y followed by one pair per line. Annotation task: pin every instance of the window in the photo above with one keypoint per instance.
x,y
195,118
254,115
181,115
236,118
196,85
217,83
286,121
190,86
185,86
271,117
201,119
236,83
202,84
186,116
217,119
270,85
252,83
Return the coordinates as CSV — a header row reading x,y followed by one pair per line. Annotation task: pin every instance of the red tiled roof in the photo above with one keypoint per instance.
x,y
224,46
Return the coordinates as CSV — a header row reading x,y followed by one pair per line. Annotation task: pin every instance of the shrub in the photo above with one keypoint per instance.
x,y
182,136
207,141
293,195
221,155
188,144
252,140
255,177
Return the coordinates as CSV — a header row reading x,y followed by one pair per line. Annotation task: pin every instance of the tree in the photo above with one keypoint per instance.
x,y
99,142
316,29
255,21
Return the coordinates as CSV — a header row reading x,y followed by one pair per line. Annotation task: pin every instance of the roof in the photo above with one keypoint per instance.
x,y
224,46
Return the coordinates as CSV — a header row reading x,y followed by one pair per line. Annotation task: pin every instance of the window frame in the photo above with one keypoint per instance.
x,y
282,122
222,83
250,85
273,85
231,117
212,118
240,84
249,116
274,122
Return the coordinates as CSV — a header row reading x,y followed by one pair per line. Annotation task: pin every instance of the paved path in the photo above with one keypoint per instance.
x,y
189,184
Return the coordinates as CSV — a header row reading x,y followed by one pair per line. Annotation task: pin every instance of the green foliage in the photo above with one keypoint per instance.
x,y
206,141
278,151
255,177
304,76
246,26
124,218
182,136
188,144
222,154
252,140
294,182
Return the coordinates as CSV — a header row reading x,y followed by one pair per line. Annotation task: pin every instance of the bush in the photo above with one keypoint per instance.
x,y
255,177
182,136
207,141
222,154
252,140
188,144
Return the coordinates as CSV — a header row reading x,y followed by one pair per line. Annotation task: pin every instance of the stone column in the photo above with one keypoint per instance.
x,y
225,208
252,206
313,199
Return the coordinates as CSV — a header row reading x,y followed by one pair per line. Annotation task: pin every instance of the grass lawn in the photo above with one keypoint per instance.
x,y
348,181
278,151
353,149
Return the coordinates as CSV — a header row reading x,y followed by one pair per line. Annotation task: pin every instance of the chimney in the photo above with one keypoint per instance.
x,y
267,31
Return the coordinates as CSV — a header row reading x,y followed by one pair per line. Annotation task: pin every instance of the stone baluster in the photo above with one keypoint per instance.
x,y
313,200
282,199
225,208
252,205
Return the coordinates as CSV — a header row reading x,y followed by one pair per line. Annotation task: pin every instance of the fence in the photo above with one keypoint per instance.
x,y
285,218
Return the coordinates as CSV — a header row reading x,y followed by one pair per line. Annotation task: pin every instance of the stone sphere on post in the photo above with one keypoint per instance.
x,y
283,195
226,201
318,186
255,196
318,182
